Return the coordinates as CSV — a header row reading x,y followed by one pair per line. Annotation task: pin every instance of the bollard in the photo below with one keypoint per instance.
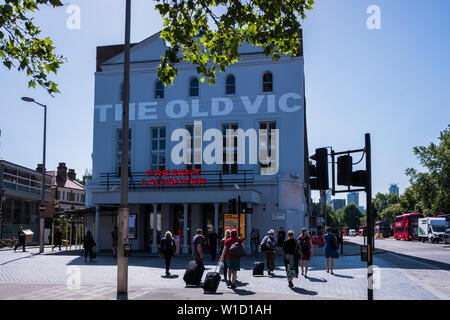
x,y
65,236
70,237
53,233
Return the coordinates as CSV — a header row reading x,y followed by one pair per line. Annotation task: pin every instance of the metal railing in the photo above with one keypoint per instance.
x,y
213,179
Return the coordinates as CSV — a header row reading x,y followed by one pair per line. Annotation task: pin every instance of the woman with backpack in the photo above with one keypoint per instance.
x,y
233,249
269,246
331,246
305,241
290,247
167,250
222,245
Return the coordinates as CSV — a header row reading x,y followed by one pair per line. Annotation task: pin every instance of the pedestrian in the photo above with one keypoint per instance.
x,y
269,246
254,239
57,238
167,250
222,245
305,242
212,241
330,249
21,236
88,244
291,257
199,242
114,241
280,240
233,262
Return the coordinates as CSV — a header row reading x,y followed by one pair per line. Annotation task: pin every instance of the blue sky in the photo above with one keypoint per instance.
x,y
393,82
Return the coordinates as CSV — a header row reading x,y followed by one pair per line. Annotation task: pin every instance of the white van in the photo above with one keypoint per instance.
x,y
433,229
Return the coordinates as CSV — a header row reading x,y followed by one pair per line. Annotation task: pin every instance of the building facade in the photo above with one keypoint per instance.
x,y
394,189
21,195
194,146
337,204
353,197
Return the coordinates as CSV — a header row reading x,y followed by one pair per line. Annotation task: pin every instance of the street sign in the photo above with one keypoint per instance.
x,y
42,208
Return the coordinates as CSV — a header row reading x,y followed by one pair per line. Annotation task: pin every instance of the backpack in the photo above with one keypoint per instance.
x,y
304,244
237,250
299,250
270,244
334,242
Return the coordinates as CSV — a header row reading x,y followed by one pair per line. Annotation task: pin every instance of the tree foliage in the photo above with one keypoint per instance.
x,y
431,189
350,216
21,45
209,33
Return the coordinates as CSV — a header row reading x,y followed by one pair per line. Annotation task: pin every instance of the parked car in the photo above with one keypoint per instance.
x,y
352,233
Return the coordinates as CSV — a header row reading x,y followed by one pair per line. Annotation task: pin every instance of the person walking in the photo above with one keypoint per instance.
x,y
57,238
233,262
21,236
199,242
213,242
269,246
291,257
222,245
280,240
254,239
167,250
330,248
305,241
88,244
114,241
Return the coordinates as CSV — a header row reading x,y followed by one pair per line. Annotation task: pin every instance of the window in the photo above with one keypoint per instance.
x,y
158,148
159,90
267,82
192,165
230,85
226,167
119,148
266,140
193,87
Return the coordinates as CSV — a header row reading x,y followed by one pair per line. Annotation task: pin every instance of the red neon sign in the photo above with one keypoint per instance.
x,y
172,177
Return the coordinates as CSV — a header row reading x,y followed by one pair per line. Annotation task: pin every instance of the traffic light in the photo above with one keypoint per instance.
x,y
232,206
344,171
243,207
359,178
319,171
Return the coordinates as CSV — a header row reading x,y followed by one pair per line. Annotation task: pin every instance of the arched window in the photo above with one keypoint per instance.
x,y
267,82
230,85
159,90
193,87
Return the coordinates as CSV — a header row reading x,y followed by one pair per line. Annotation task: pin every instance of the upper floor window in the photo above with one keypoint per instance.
x,y
193,151
119,148
158,148
267,82
230,148
230,85
194,87
159,90
268,130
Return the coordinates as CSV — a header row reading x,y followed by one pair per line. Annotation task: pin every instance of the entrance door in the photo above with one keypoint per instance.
x,y
178,223
148,212
208,218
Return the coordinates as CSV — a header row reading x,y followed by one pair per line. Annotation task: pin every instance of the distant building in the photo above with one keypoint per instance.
x,y
20,190
337,204
328,196
362,209
393,189
353,197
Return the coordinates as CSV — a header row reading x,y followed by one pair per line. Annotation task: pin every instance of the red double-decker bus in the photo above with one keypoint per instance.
x,y
362,231
406,226
382,229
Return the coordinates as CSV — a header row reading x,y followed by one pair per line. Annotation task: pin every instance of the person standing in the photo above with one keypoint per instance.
x,y
114,241
222,245
58,238
199,246
167,250
88,244
305,241
233,262
254,239
269,246
21,236
212,241
330,249
291,257
280,240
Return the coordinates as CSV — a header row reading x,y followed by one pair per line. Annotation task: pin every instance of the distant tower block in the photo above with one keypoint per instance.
x,y
393,188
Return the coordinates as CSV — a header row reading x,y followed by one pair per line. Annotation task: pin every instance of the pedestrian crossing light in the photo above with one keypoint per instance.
x,y
232,205
319,172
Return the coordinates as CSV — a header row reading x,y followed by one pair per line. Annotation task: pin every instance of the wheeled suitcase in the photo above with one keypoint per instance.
x,y
258,268
211,282
193,274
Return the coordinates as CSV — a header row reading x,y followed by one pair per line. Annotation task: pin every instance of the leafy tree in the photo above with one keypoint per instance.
x,y
22,47
409,200
350,216
432,188
383,200
388,214
208,33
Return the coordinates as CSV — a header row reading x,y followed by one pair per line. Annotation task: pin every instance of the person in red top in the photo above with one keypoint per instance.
x,y
234,263
305,242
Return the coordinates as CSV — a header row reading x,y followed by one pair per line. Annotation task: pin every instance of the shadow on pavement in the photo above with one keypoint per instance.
x,y
421,263
30,256
304,291
312,279
243,292
172,276
342,276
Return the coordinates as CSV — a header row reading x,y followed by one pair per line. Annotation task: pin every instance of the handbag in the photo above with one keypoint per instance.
x,y
237,250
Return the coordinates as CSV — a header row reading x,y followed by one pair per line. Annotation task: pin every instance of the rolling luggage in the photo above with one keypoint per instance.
x,y
193,274
258,268
212,281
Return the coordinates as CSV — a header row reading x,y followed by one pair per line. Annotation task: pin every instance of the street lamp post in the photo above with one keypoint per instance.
x,y
41,214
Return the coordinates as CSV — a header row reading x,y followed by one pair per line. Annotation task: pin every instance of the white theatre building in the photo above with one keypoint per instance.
x,y
267,172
